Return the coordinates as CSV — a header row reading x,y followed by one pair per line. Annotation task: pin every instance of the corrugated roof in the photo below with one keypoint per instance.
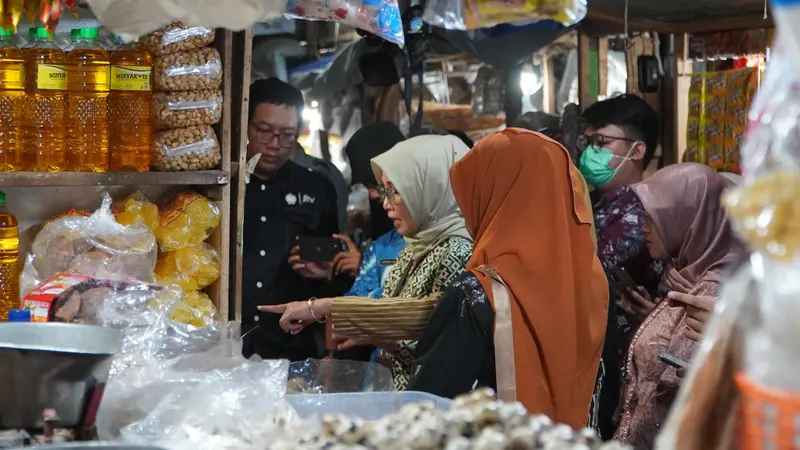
x,y
681,10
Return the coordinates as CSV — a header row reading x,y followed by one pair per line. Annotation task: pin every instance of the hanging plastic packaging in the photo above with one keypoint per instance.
x,y
472,14
742,389
379,17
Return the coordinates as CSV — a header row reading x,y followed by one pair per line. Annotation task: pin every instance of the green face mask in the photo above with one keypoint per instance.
x,y
594,165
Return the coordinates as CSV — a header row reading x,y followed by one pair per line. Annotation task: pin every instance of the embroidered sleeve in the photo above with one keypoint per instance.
x,y
620,236
369,277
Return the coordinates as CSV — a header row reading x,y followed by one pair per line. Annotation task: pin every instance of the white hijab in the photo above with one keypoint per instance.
x,y
419,168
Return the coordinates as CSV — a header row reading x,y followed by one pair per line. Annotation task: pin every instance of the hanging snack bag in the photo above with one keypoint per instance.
x,y
192,268
379,17
187,108
176,37
472,14
195,70
182,149
186,220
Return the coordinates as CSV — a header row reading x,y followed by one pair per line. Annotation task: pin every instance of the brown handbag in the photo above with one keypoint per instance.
x,y
503,339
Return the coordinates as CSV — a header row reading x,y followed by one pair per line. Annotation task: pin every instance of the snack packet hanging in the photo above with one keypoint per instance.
x,y
472,14
379,17
186,220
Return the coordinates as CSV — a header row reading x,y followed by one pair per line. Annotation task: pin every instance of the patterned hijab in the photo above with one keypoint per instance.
x,y
683,202
419,168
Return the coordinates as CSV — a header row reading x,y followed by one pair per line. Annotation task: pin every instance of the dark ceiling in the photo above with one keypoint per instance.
x,y
680,10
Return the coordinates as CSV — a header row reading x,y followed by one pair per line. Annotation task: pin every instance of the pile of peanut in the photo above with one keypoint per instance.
x,y
187,76
190,148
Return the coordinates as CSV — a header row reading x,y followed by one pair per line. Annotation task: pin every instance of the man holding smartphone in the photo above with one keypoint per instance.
x,y
283,202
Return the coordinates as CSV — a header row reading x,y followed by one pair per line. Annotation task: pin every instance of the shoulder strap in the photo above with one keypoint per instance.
x,y
503,339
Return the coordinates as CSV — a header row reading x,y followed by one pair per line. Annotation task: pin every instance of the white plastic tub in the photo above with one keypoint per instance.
x,y
365,405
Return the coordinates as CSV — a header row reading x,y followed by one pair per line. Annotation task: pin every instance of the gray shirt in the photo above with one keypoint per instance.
x,y
332,173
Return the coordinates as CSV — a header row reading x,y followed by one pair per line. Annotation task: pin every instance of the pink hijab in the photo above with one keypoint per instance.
x,y
683,202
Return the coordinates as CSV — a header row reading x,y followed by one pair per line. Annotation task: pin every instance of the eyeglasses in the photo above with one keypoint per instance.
x,y
285,139
585,141
390,194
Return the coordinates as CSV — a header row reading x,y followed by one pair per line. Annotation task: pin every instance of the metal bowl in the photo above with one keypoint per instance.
x,y
56,366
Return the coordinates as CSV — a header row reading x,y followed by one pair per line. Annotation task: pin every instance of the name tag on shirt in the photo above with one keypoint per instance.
x,y
388,262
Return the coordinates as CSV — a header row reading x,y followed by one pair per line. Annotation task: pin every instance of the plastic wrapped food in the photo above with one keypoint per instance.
x,y
186,221
315,376
95,246
196,70
137,208
177,37
184,149
471,14
734,396
187,108
379,17
192,268
196,309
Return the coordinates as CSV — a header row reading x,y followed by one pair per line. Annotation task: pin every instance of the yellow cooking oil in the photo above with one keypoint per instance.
x,y
9,253
12,101
44,112
87,104
129,108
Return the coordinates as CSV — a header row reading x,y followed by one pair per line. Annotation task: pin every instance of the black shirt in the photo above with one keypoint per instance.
x,y
294,202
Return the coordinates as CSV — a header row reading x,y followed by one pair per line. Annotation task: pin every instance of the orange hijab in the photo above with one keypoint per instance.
x,y
526,205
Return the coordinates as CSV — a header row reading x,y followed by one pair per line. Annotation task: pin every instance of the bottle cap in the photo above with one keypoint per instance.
x,y
19,315
40,32
88,33
6,32
2,197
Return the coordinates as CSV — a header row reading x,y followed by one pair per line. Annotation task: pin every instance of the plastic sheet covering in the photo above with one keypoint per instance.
x,y
134,18
744,377
235,407
472,14
314,376
95,246
379,17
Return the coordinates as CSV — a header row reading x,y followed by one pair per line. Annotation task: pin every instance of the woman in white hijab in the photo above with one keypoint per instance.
x,y
414,179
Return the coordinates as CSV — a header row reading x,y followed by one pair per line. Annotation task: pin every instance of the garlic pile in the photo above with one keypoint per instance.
x,y
476,421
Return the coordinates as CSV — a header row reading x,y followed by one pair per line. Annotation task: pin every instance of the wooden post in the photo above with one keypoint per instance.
x,y
548,85
602,67
587,72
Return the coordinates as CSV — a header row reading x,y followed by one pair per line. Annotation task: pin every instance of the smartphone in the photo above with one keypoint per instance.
x,y
672,361
319,248
622,279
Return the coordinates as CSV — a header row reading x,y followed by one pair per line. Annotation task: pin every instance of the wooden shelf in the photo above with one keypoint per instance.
x,y
41,179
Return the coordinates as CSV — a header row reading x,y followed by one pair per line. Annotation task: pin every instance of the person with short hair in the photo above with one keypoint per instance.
x,y
283,201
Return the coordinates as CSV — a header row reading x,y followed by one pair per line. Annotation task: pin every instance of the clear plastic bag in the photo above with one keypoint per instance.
x,y
192,268
196,70
379,17
328,376
95,246
188,108
472,14
186,149
137,209
187,219
177,37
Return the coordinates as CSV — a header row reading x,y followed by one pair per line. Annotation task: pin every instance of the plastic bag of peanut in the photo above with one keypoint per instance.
x,y
187,108
177,37
196,70
184,149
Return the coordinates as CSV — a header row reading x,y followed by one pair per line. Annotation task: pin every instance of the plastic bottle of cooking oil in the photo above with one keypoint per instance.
x,y
44,112
87,104
129,108
12,100
9,253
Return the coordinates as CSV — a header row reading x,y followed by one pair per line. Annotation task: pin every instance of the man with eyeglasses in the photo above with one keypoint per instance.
x,y
283,201
614,151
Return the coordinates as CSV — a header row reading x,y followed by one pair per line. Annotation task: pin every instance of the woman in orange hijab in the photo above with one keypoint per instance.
x,y
526,206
